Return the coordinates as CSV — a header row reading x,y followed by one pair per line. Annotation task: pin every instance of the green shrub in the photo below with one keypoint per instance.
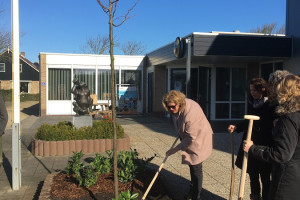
x,y
7,96
66,131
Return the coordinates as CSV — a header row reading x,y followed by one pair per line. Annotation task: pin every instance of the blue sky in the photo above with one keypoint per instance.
x,y
63,26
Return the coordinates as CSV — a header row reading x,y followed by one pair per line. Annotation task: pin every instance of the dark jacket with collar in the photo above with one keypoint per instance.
x,y
261,134
3,116
284,155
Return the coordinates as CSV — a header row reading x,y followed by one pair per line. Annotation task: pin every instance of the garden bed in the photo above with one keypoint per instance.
x,y
57,186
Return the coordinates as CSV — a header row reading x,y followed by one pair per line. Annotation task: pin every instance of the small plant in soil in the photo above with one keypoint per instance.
x,y
95,180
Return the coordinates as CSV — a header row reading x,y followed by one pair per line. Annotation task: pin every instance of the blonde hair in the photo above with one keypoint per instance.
x,y
288,88
174,96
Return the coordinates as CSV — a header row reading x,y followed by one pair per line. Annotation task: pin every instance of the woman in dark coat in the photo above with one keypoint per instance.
x,y
259,105
284,154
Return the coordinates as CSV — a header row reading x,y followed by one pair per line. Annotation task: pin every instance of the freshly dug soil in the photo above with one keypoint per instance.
x,y
66,187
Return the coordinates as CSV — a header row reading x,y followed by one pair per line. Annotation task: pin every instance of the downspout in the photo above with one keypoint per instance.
x,y
188,67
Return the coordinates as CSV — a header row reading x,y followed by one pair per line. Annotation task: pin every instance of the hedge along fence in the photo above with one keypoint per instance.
x,y
7,96
64,139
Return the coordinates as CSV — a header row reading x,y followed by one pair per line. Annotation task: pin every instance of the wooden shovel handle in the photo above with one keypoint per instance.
x,y
232,168
245,159
156,174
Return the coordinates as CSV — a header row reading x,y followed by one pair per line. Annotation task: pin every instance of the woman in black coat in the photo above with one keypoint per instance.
x,y
259,105
284,154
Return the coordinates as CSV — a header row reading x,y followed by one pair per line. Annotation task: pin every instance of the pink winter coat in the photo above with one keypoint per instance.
x,y
195,133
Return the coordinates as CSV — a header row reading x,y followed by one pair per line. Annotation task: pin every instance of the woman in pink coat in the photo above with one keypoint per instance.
x,y
195,134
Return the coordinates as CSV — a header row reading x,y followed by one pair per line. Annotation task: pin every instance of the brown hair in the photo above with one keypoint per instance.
x,y
260,85
288,88
174,96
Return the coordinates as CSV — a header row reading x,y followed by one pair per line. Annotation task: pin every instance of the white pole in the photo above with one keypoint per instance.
x,y
16,143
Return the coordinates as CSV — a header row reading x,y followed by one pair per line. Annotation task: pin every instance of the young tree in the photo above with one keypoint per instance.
x,y
133,48
110,9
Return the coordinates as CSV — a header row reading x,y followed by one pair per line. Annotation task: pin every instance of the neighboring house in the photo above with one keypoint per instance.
x,y
29,73
58,70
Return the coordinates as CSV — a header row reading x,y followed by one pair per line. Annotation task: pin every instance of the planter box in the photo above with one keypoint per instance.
x,y
57,148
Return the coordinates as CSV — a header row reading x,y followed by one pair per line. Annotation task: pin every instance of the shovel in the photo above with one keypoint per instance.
x,y
245,160
155,176
232,167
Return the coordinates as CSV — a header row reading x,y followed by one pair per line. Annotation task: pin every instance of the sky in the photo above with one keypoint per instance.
x,y
63,26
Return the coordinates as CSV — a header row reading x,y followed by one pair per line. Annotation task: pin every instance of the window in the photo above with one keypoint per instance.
x,y
132,78
2,67
267,68
21,68
104,84
230,93
87,76
178,77
24,87
59,84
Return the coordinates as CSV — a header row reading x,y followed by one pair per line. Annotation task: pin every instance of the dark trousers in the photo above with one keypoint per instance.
x,y
196,180
264,175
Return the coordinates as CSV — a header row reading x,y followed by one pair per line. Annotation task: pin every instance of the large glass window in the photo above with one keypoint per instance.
x,y
132,78
87,76
104,83
267,68
59,84
230,93
178,79
223,84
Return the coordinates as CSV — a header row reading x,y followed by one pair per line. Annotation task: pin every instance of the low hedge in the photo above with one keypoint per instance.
x,y
7,96
67,131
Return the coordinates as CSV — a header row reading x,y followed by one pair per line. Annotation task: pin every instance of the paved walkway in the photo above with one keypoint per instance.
x,y
149,135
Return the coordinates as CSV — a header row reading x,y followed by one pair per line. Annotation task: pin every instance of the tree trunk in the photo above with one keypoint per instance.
x,y
113,97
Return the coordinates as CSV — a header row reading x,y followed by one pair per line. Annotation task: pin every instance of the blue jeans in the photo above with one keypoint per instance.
x,y
196,180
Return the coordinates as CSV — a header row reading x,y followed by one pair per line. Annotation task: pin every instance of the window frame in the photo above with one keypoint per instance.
x,y
3,67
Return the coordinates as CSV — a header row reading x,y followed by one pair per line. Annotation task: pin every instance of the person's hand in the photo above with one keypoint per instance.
x,y
170,152
247,145
231,128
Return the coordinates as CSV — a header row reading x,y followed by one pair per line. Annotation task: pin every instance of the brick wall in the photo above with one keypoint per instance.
x,y
42,85
34,87
5,85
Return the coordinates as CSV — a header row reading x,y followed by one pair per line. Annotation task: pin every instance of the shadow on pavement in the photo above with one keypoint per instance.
x,y
32,110
8,169
178,186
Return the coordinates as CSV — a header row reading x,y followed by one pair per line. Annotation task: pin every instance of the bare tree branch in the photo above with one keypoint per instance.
x,y
126,16
281,30
133,48
268,29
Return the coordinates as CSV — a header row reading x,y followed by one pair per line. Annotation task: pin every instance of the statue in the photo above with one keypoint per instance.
x,y
82,98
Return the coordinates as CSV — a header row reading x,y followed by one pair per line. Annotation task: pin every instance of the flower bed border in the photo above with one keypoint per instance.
x,y
59,148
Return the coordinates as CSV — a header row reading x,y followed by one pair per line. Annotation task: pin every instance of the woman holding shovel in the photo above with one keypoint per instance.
x,y
284,154
261,133
195,134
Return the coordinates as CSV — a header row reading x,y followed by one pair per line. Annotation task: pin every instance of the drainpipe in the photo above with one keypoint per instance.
x,y
188,68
